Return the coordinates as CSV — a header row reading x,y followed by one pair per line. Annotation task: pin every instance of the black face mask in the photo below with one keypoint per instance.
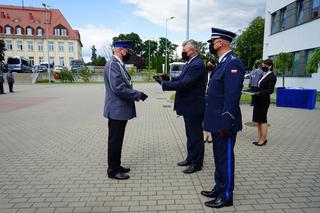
x,y
127,57
212,50
184,56
265,69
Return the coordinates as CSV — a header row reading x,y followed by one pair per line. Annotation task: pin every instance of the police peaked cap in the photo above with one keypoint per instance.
x,y
222,34
123,43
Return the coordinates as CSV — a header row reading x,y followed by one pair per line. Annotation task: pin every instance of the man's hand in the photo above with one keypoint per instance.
x,y
224,133
165,77
143,96
157,78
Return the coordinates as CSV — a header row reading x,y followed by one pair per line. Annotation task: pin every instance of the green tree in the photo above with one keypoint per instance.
x,y
171,48
283,62
203,49
314,62
100,61
249,44
2,49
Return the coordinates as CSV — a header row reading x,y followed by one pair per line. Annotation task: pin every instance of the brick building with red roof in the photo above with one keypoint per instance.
x,y
24,30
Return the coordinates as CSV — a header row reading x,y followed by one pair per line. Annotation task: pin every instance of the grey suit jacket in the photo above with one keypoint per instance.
x,y
120,96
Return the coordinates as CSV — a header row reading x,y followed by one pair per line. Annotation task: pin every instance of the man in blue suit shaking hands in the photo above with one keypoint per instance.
x,y
119,105
190,87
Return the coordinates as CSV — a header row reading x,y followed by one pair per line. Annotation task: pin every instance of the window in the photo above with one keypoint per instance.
x,y
41,60
309,54
40,46
50,46
8,45
18,31
315,8
300,15
63,32
61,46
296,68
30,46
31,60
8,30
29,31
70,45
51,60
39,31
273,23
19,45
61,61
57,32
283,16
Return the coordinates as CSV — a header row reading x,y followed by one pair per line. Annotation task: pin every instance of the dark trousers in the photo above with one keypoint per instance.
x,y
1,88
195,145
115,141
224,163
10,86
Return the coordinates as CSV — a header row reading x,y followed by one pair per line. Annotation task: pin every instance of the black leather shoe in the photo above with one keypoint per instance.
x,y
124,169
218,203
191,169
211,194
262,144
119,176
183,163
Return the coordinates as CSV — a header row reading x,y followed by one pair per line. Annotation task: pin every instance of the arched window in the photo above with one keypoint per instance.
x,y
30,31
39,31
8,30
19,30
60,30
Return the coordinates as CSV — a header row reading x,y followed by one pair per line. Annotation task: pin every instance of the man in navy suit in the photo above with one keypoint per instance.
x,y
119,105
223,115
190,87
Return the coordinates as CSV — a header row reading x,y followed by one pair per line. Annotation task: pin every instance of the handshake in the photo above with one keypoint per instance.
x,y
161,77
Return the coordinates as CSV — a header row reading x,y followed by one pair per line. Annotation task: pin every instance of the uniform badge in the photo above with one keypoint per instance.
x,y
234,71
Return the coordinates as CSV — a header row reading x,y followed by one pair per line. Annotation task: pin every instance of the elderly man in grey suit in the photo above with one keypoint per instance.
x,y
119,105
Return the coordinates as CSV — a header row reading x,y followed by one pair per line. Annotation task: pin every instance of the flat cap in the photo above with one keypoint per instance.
x,y
222,34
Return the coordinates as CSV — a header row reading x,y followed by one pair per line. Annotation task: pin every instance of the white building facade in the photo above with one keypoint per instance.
x,y
293,26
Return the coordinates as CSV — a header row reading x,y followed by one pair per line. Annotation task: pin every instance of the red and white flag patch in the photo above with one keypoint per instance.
x,y
234,71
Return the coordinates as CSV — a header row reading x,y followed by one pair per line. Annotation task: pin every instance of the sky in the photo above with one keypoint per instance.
x,y
100,20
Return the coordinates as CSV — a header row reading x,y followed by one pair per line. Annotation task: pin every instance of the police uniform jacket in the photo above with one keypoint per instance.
x,y
120,96
190,87
224,91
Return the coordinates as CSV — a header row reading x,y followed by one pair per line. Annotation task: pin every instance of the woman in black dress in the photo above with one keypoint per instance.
x,y
262,101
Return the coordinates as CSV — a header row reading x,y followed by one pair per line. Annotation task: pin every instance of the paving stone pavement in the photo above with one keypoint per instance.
x,y
53,157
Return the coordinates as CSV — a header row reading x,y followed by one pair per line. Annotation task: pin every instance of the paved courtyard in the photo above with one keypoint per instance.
x,y
53,157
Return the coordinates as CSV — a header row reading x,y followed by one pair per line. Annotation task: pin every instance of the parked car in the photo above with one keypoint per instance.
x,y
59,68
176,68
39,68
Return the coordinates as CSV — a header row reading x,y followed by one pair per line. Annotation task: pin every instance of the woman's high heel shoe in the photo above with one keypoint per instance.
x,y
264,143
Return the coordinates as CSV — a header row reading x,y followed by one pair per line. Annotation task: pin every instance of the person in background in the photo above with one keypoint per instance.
x,y
255,76
1,78
10,80
262,101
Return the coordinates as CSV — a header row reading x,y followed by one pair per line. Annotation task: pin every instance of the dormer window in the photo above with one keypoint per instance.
x,y
60,31
29,31
8,30
18,30
39,31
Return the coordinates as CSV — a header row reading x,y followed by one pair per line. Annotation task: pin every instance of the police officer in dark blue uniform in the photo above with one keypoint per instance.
x,y
223,115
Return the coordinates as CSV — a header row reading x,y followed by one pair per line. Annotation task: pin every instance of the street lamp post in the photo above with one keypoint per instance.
x,y
188,16
149,57
166,55
46,7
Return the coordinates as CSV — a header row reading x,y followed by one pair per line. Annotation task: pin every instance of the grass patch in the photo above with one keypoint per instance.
x,y
318,96
172,97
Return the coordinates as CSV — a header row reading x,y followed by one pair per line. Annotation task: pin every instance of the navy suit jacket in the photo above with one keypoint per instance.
x,y
120,96
224,92
190,87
